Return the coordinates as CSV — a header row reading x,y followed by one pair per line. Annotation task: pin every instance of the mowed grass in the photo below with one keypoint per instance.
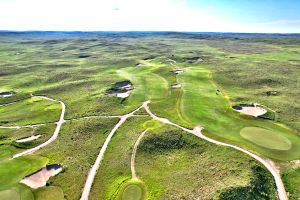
x,y
30,111
202,105
19,192
49,193
266,138
132,190
13,171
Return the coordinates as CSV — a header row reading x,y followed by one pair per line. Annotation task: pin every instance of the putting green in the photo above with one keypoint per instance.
x,y
10,194
132,192
266,138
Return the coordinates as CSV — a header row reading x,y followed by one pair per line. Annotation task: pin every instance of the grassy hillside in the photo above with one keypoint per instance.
x,y
219,71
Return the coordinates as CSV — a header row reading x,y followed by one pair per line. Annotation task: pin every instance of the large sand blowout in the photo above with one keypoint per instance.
x,y
250,109
40,177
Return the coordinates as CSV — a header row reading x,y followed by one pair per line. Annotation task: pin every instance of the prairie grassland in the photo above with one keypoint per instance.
x,y
78,68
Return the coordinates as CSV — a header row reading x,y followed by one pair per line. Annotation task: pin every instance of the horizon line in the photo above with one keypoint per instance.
x,y
140,31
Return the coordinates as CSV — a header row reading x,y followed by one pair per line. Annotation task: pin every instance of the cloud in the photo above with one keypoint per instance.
x,y
118,15
106,15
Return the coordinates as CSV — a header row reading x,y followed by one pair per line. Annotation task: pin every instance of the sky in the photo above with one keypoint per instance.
x,y
260,16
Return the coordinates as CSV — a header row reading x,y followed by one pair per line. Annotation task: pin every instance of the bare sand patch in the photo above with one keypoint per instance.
x,y
6,94
176,86
250,109
40,177
178,71
121,89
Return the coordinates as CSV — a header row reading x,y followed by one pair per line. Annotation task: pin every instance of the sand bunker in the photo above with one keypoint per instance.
x,y
28,139
139,65
6,94
121,89
176,85
250,109
194,59
177,71
272,93
40,177
123,95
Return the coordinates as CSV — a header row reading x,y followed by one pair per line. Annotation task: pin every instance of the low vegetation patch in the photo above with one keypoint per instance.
x,y
261,187
168,141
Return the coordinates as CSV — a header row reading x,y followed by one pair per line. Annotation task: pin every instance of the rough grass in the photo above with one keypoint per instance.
x,y
291,180
261,186
76,149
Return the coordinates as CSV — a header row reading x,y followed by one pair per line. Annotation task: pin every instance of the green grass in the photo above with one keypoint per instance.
x,y
266,138
291,180
260,187
115,167
132,190
13,171
49,193
201,105
171,164
245,68
176,165
30,111
76,149
18,192
9,136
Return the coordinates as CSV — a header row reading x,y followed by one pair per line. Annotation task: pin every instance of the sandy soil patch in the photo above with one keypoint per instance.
x,y
121,89
6,94
123,94
178,71
40,178
250,109
176,85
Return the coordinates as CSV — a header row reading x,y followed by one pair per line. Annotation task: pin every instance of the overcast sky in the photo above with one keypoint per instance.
x,y
281,16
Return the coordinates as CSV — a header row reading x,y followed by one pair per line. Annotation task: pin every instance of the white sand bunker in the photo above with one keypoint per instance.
x,y
177,71
121,89
123,94
176,85
40,177
250,109
28,139
6,94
